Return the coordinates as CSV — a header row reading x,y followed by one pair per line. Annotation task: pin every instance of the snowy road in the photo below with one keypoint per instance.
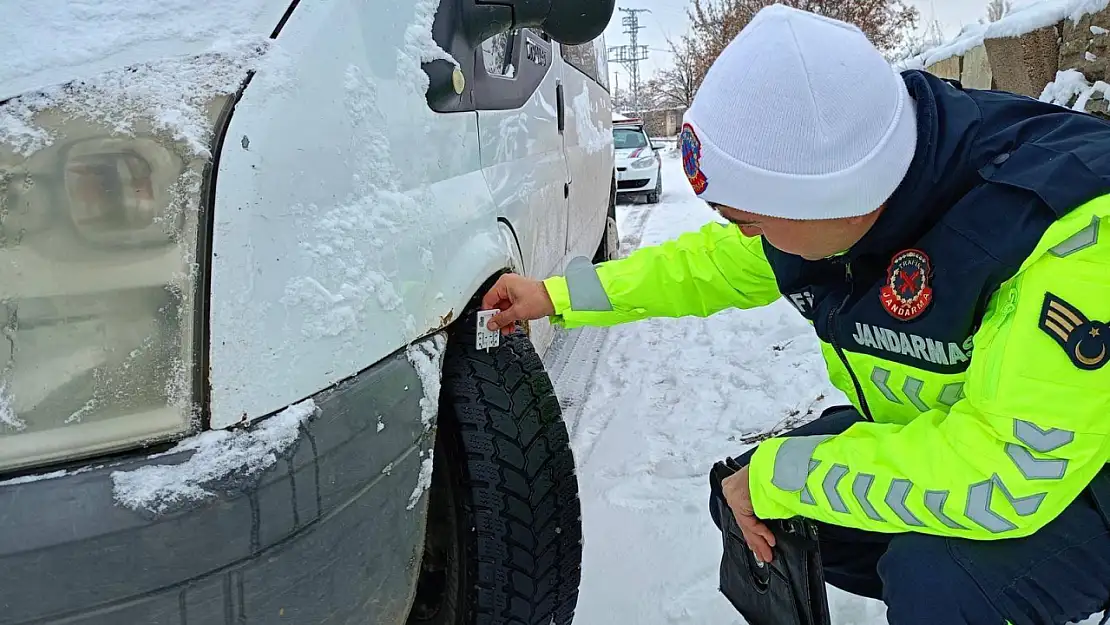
x,y
651,407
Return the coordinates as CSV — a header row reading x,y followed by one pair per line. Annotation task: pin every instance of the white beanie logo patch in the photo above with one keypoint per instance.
x,y
691,159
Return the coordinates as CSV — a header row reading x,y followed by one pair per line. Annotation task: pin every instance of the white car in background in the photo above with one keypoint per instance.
x,y
639,161
242,247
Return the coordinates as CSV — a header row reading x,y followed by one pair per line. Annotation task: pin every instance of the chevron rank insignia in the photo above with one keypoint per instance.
x,y
1084,341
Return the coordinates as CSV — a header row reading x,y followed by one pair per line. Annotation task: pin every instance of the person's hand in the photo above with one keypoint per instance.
x,y
519,299
738,494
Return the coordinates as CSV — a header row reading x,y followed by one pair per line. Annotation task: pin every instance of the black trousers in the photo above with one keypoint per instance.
x,y
1058,575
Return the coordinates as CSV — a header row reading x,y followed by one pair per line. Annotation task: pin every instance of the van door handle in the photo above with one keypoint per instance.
x,y
561,107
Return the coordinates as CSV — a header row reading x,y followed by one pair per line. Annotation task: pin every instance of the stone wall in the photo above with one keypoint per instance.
x,y
1025,64
663,122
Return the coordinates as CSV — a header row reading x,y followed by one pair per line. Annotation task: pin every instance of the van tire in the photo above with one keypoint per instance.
x,y
508,464
609,248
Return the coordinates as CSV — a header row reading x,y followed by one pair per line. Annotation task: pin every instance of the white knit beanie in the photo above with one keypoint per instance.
x,y
800,117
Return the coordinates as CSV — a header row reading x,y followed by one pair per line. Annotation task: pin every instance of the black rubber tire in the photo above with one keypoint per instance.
x,y
653,196
609,248
522,527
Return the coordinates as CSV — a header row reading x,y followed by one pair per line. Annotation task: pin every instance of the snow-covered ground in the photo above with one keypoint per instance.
x,y
651,406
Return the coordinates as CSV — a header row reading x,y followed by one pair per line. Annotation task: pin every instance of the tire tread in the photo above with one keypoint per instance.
x,y
526,514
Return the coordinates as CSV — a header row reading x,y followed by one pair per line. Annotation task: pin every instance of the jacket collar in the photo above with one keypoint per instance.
x,y
939,174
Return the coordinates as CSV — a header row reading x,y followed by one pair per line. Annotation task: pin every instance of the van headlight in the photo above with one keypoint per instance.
x,y
99,234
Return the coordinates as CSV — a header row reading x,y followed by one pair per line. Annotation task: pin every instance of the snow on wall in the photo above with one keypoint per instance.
x,y
1025,17
217,454
1029,15
1069,84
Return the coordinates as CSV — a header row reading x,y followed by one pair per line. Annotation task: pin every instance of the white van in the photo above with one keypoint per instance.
x,y
241,248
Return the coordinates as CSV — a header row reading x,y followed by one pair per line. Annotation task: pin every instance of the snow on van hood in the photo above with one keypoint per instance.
x,y
51,42
116,61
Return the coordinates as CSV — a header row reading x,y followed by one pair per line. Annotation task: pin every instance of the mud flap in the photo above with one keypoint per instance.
x,y
788,591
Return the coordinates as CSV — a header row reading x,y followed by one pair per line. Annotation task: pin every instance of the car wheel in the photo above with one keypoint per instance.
x,y
653,196
504,538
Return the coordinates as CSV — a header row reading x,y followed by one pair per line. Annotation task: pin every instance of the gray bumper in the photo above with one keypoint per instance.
x,y
322,536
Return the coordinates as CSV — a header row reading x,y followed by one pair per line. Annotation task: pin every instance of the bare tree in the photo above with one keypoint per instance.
x,y
997,9
622,100
674,85
915,42
714,23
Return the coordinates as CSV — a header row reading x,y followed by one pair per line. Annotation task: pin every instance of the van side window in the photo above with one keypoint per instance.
x,y
590,58
497,54
515,65
582,56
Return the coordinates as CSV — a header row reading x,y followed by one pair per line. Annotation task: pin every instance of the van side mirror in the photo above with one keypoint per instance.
x,y
460,27
570,22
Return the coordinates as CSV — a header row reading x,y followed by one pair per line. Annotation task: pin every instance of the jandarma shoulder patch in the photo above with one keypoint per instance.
x,y
1084,341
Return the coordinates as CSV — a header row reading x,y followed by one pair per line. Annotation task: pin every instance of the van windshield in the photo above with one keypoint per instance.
x,y
626,138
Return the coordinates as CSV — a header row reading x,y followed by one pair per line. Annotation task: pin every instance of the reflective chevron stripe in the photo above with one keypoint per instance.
x,y
792,462
895,499
1079,241
879,377
934,502
1043,441
951,393
861,486
1034,468
807,497
912,389
830,484
978,507
1040,440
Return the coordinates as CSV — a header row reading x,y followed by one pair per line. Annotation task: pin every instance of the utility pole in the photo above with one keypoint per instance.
x,y
631,54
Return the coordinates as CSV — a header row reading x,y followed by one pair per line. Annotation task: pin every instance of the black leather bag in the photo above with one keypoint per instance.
x,y
790,590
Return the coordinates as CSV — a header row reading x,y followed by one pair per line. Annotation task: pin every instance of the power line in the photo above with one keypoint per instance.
x,y
631,54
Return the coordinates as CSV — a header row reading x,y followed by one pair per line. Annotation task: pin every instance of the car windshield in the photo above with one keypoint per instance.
x,y
626,138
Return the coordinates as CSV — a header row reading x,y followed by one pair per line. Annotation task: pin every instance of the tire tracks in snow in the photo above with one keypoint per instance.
x,y
573,356
572,361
